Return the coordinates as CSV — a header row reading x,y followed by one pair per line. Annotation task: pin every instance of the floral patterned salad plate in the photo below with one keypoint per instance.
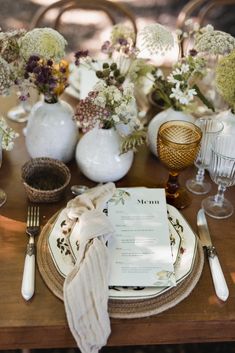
x,y
183,244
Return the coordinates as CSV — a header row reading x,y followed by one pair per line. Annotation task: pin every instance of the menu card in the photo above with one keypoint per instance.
x,y
140,251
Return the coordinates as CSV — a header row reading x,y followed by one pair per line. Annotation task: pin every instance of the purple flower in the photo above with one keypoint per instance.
x,y
193,52
32,63
63,70
24,97
49,62
122,41
80,54
106,47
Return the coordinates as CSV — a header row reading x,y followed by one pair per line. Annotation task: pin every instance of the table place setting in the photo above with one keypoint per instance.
x,y
58,252
81,268
117,251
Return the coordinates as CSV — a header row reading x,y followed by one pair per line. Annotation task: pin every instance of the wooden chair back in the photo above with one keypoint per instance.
x,y
113,10
200,9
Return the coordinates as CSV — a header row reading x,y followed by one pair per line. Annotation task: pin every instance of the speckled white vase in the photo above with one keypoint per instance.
x,y
98,156
159,119
51,131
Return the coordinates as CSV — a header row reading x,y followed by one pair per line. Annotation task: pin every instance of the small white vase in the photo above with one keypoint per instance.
x,y
98,156
51,131
162,117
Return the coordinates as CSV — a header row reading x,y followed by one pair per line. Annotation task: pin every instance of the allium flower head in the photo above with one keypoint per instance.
x,y
46,43
156,38
225,78
214,42
5,76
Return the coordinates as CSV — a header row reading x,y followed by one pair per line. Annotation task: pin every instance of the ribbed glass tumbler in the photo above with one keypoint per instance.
x,y
210,129
222,172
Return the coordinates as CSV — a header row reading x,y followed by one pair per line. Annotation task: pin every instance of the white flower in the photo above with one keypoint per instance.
x,y
172,79
184,68
5,76
178,32
7,135
214,42
177,71
100,100
196,26
208,28
121,110
159,73
156,38
117,96
46,43
188,22
183,97
112,94
191,93
115,118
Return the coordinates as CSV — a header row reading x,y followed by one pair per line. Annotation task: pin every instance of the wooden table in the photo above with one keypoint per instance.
x,y
41,322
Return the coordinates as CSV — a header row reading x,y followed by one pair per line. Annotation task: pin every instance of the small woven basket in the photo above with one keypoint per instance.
x,y
45,179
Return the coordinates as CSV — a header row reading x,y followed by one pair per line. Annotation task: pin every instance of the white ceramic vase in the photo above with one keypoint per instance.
x,y
162,117
51,131
98,156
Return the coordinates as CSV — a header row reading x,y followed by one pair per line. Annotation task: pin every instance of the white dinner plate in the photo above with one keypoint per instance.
x,y
184,246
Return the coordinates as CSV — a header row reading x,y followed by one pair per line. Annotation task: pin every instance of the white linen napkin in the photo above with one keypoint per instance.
x,y
86,286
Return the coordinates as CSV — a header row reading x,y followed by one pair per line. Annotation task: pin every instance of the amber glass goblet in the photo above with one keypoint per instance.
x,y
178,143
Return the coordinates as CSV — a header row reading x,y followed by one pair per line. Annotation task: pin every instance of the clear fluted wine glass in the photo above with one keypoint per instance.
x,y
20,112
178,143
222,172
210,129
3,195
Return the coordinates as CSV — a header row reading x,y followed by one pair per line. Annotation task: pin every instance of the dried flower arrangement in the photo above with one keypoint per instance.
x,y
111,103
33,59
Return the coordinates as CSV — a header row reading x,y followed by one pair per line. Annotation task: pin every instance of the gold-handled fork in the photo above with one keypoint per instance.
x,y
32,229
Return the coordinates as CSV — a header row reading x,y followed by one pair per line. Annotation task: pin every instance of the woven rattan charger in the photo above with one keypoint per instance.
x,y
120,308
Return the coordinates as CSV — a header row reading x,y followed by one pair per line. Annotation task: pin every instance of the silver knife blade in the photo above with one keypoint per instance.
x,y
203,229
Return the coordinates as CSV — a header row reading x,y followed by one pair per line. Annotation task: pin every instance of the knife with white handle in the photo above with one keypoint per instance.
x,y
221,288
